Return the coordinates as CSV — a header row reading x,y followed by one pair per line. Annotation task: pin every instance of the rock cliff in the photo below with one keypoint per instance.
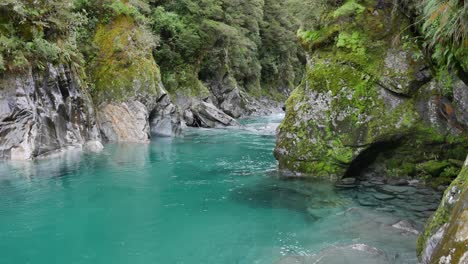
x,y
44,111
369,104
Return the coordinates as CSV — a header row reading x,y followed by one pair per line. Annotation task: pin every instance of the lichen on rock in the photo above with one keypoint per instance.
x,y
445,238
368,101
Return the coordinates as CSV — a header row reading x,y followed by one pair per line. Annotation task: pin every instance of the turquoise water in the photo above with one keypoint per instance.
x,y
212,196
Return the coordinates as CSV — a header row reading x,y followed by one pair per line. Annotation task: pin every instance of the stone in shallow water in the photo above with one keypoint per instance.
x,y
356,253
346,183
421,207
389,189
386,209
366,200
292,260
407,226
383,197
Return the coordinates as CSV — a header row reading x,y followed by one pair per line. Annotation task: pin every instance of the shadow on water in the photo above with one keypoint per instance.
x,y
314,199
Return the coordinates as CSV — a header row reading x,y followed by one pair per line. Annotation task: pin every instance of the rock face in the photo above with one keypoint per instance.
x,y
125,122
445,239
207,115
128,90
165,120
45,111
368,105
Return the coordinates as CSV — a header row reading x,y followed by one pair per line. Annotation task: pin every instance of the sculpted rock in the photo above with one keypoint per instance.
x,y
367,106
228,95
207,115
445,238
93,146
124,122
44,111
165,119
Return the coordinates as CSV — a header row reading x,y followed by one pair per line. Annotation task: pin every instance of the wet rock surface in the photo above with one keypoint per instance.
x,y
42,112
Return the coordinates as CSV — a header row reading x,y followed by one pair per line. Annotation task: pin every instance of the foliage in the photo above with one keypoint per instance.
x,y
445,23
353,41
252,41
36,33
349,8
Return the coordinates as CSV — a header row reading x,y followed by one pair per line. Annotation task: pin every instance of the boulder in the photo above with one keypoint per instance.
x,y
367,106
207,115
406,226
93,146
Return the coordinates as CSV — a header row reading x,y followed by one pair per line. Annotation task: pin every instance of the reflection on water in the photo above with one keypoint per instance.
x,y
211,196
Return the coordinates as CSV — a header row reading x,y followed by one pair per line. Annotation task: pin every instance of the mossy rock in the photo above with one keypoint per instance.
x,y
364,100
434,167
449,221
124,67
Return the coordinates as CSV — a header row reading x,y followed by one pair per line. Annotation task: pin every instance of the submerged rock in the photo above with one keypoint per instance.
x,y
42,112
406,226
355,253
383,197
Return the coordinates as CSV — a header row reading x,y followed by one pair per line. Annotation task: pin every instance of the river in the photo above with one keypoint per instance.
x,y
211,196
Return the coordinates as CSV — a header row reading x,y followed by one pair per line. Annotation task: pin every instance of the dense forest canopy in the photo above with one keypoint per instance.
x,y
200,40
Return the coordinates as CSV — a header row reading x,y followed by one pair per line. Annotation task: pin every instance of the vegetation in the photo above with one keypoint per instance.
x,y
37,33
200,42
444,25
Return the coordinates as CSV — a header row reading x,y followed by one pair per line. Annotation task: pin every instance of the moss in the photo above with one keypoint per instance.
x,y
434,167
443,213
314,39
185,81
342,108
125,66
351,7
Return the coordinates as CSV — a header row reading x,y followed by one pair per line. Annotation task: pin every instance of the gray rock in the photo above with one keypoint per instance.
x,y
365,200
397,64
460,95
42,112
383,197
394,190
432,243
165,119
93,146
209,116
124,122
406,226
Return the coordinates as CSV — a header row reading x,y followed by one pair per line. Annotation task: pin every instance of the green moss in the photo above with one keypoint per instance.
x,y
351,7
342,107
434,167
442,215
314,39
185,81
125,66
